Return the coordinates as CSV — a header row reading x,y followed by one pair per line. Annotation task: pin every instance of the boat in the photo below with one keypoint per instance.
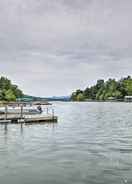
x,y
18,110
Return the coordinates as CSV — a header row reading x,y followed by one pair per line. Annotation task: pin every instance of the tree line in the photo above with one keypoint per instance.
x,y
9,91
105,90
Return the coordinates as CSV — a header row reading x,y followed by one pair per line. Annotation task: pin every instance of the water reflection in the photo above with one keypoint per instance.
x,y
5,128
21,129
21,126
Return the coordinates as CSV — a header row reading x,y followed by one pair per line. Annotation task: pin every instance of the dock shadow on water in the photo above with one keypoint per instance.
x,y
90,144
20,126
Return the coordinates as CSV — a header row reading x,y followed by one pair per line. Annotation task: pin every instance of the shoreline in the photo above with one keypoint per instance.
x,y
103,101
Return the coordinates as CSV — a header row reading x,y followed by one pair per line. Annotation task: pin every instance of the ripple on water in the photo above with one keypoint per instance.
x,y
92,143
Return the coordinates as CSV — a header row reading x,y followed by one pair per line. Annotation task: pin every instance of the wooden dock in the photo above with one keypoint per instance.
x,y
28,119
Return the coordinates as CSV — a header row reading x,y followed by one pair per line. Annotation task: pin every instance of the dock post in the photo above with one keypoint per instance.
x,y
6,111
21,111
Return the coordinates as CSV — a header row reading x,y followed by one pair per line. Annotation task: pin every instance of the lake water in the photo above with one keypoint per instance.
x,y
92,144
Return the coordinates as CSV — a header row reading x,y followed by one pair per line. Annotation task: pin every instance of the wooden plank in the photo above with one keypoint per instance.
x,y
9,117
28,119
41,119
5,121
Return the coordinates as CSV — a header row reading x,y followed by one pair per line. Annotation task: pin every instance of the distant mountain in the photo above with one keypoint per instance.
x,y
59,98
34,98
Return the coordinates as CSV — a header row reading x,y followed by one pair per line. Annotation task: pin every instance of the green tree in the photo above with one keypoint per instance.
x,y
106,90
75,94
9,95
80,97
9,91
87,93
127,84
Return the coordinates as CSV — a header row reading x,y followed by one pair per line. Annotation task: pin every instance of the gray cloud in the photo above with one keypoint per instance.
x,y
52,47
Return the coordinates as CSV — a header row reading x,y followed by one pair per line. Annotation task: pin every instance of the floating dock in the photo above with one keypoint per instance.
x,y
26,118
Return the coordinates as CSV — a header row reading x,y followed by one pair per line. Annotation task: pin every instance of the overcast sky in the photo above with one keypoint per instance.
x,y
51,47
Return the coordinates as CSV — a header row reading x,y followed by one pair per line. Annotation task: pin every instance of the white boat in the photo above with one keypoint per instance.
x,y
17,110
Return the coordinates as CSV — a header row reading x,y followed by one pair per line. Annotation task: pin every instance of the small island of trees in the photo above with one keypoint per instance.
x,y
105,90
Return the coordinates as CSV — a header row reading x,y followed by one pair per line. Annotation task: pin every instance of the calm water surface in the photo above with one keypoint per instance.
x,y
92,144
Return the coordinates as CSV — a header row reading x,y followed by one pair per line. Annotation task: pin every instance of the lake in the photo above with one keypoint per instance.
x,y
91,143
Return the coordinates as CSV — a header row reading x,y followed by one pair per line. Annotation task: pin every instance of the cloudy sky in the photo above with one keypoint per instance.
x,y
51,47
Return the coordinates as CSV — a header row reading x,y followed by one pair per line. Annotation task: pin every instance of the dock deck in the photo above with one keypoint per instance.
x,y
27,119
